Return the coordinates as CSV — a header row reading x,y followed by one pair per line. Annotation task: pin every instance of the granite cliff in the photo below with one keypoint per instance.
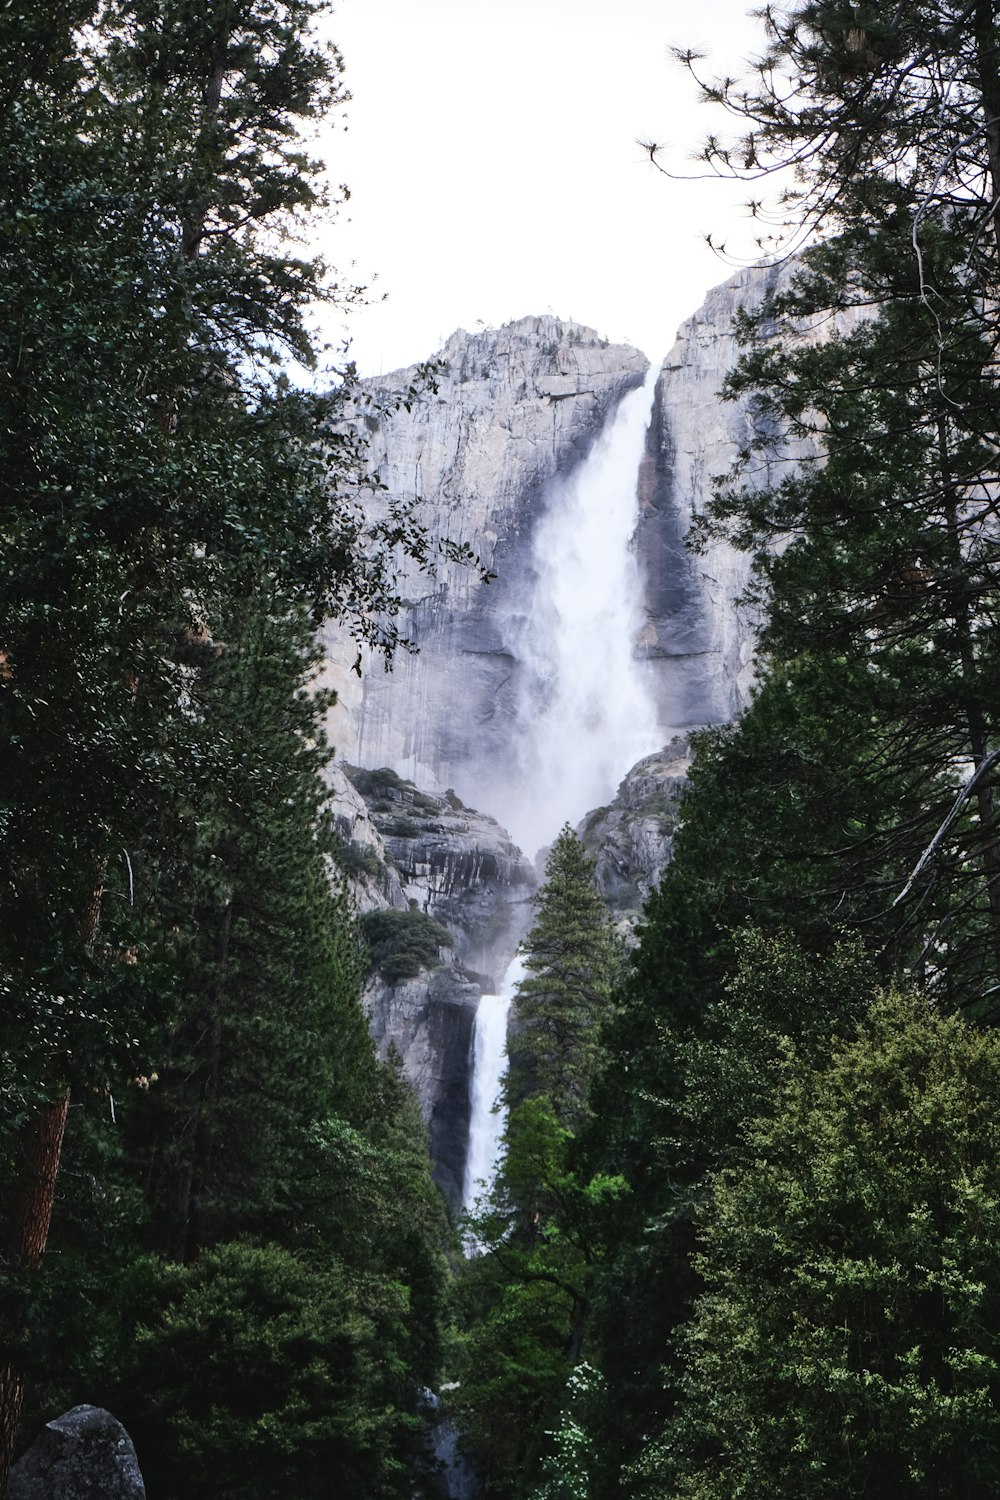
x,y
514,407
418,856
519,414
698,634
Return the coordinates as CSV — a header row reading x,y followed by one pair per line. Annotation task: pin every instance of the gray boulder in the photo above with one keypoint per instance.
x,y
86,1454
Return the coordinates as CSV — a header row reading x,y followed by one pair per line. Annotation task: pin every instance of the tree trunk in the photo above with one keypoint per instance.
x,y
984,30
30,1228
40,1171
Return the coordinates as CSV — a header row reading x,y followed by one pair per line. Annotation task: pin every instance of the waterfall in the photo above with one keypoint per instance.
x,y
586,711
486,1123
585,714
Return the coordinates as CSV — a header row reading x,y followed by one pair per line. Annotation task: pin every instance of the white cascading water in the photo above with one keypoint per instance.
x,y
586,713
486,1116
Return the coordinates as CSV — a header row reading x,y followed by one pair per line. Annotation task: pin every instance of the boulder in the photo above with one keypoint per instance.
x,y
86,1454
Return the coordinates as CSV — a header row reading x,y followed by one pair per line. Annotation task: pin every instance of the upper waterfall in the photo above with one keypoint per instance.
x,y
514,409
584,712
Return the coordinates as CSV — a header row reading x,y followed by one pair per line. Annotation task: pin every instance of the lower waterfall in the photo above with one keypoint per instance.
x,y
486,1115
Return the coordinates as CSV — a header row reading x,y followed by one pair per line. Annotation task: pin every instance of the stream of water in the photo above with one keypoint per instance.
x,y
487,1116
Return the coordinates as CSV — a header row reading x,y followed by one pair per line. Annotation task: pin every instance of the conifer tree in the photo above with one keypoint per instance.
x,y
845,1340
157,466
561,1004
542,1230
880,559
857,792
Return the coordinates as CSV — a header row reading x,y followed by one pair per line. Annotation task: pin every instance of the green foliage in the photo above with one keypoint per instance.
x,y
262,1369
572,960
175,519
845,1342
354,858
266,1115
568,1468
875,568
401,943
525,1295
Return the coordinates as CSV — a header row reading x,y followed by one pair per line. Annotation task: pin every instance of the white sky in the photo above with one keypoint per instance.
x,y
492,158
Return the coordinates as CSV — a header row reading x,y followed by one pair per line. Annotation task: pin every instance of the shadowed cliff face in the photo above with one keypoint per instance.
x,y
698,636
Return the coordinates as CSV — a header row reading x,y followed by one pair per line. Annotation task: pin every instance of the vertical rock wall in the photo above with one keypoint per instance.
x,y
698,635
514,407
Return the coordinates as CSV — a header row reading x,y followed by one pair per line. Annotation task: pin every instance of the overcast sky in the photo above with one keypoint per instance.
x,y
494,169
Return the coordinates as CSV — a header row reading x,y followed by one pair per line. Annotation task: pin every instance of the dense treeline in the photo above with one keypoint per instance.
x,y
794,1109
217,1211
743,1241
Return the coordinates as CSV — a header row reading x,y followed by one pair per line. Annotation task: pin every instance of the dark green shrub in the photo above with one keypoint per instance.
x,y
375,785
353,858
261,1375
401,943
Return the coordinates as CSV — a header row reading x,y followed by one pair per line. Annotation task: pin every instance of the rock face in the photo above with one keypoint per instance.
x,y
406,849
698,637
515,406
84,1455
630,840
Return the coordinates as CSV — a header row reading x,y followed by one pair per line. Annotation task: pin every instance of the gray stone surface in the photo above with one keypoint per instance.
x,y
699,636
631,839
461,868
515,406
86,1454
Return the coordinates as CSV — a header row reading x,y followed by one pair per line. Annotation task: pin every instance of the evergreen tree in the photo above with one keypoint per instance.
x,y
845,1342
856,793
158,467
882,554
572,962
526,1296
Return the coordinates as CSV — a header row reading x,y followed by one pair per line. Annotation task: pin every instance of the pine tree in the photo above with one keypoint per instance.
x,y
572,961
882,555
158,466
543,1228
869,741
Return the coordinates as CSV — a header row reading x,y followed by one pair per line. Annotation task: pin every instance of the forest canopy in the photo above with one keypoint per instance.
x,y
218,1215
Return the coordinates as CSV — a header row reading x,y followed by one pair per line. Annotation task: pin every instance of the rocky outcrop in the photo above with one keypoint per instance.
x,y
457,865
84,1455
406,850
362,859
630,840
514,407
